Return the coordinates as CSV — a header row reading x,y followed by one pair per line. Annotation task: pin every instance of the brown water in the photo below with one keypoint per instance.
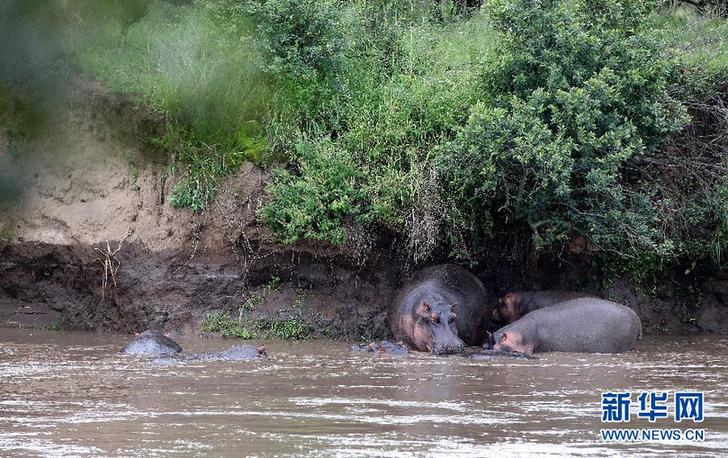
x,y
73,394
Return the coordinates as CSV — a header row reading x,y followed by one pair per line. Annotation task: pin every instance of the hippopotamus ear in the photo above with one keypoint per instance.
x,y
453,307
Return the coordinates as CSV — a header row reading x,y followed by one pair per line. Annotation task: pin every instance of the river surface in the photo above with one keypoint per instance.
x,y
74,394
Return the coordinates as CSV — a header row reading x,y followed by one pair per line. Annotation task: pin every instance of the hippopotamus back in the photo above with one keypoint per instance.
x,y
588,325
152,343
435,290
234,353
515,304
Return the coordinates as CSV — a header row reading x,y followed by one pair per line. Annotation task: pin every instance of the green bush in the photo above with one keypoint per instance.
x,y
581,93
402,85
538,115
291,328
316,203
226,326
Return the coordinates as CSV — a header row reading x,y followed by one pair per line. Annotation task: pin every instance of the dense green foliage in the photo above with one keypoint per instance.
x,y
449,126
226,326
580,92
361,151
287,328
529,114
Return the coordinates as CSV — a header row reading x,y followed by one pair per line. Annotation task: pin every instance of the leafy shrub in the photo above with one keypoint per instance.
x,y
227,326
290,328
402,85
581,92
316,203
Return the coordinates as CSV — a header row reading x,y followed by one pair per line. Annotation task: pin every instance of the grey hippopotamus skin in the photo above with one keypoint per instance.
x,y
585,325
234,353
152,343
384,346
440,309
515,304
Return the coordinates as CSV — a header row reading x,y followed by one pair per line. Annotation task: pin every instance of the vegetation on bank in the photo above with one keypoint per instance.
x,y
284,325
284,328
450,126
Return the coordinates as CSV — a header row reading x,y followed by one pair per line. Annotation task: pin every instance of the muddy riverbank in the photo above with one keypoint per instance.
x,y
92,242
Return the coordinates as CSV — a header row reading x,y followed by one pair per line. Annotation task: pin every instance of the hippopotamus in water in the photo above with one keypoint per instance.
x,y
384,346
515,304
234,353
440,309
587,325
152,343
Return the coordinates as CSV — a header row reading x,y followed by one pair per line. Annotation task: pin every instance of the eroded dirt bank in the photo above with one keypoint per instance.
x,y
92,242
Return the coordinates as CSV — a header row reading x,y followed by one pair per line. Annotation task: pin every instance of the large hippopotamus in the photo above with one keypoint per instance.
x,y
440,309
515,304
152,343
587,325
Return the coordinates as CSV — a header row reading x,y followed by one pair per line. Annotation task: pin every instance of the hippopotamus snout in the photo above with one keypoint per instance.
x,y
446,348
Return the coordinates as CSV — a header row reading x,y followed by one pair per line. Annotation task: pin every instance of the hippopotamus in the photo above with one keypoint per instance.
x,y
441,309
515,304
586,325
234,353
384,346
152,343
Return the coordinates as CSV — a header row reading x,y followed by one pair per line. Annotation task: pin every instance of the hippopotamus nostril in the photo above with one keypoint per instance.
x,y
447,349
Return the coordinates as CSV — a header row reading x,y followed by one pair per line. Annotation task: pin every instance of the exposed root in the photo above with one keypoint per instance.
x,y
111,265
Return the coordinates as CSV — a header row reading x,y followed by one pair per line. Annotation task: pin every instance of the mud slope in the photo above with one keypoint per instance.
x,y
94,197
95,200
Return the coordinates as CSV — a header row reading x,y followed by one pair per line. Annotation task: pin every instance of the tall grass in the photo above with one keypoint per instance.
x,y
198,68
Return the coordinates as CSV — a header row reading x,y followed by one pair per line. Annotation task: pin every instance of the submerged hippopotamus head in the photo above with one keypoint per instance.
x,y
510,340
243,352
435,330
508,309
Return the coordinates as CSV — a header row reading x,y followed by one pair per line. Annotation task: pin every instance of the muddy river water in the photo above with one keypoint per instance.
x,y
74,394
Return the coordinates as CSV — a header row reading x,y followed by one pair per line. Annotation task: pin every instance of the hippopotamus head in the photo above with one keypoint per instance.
x,y
508,309
243,352
435,330
510,340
